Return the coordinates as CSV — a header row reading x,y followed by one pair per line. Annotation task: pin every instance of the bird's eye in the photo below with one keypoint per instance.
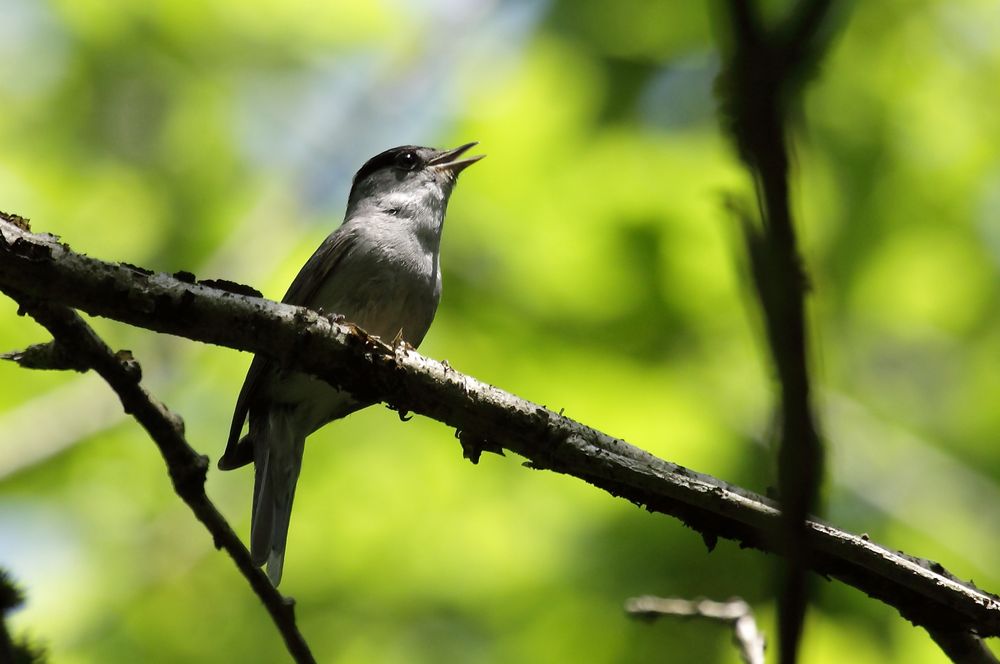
x,y
408,160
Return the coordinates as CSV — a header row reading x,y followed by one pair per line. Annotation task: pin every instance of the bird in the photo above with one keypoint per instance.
x,y
380,270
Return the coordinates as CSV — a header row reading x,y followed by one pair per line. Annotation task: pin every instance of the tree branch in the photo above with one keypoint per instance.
x,y
40,267
735,612
762,77
74,338
962,647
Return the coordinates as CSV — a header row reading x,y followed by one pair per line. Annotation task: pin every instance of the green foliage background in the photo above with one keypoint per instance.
x,y
589,265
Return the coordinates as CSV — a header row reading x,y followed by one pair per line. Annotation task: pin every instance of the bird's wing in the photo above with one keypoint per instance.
x,y
320,266
237,455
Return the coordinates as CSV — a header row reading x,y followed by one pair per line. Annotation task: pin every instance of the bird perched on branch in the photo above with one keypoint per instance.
x,y
379,270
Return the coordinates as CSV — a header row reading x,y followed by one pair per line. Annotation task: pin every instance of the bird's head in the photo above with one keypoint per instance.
x,y
408,181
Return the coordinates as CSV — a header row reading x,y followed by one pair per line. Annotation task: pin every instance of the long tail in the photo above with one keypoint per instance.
x,y
277,460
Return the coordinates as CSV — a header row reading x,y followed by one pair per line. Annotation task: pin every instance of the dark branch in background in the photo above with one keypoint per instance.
x,y
42,268
735,612
72,337
962,647
20,650
762,79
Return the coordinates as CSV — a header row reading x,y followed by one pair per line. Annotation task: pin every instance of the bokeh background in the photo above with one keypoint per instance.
x,y
589,264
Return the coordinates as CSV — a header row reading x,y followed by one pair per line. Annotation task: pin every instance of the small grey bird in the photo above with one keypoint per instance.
x,y
379,270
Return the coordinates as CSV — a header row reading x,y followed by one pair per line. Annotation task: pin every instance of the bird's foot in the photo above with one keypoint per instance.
x,y
332,316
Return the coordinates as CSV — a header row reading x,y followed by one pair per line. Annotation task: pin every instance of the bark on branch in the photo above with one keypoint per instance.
x,y
486,417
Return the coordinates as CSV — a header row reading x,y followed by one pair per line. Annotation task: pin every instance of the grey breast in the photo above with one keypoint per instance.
x,y
392,285
385,290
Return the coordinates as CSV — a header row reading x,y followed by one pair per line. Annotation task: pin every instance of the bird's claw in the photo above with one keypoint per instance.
x,y
399,343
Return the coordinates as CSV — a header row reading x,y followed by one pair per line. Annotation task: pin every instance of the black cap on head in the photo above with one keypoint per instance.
x,y
408,157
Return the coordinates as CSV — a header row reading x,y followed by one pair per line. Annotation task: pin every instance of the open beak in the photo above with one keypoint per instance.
x,y
449,159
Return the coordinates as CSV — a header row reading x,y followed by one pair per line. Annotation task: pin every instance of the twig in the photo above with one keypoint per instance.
x,y
74,338
735,612
922,591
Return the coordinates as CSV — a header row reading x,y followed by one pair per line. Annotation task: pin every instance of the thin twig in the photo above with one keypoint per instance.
x,y
74,337
922,591
735,612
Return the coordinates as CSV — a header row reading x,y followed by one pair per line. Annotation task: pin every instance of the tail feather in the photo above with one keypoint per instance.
x,y
262,514
277,461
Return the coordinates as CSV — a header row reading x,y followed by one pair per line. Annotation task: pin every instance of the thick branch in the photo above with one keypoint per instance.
x,y
39,266
187,468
